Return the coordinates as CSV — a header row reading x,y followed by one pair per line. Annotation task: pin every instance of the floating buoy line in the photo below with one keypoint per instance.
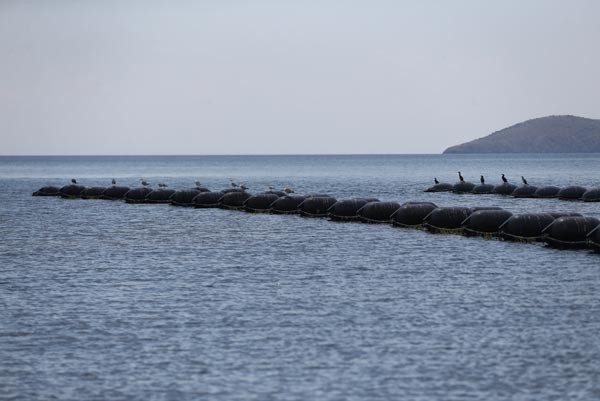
x,y
558,230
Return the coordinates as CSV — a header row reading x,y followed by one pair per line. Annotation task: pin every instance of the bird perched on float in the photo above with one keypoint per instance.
x,y
460,177
288,190
524,180
113,181
504,179
435,180
198,185
243,187
73,181
162,185
233,184
482,180
144,182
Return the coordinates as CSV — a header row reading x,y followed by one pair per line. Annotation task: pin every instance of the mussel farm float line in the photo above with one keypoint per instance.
x,y
559,230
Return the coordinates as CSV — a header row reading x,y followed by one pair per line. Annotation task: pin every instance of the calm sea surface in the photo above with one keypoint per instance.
x,y
103,300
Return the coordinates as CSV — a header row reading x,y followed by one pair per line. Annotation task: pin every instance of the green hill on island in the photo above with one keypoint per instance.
x,y
552,134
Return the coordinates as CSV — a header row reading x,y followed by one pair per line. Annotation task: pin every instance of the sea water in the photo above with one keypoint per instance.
x,y
107,300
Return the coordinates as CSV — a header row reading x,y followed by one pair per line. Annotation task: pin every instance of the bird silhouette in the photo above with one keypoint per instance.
x,y
482,180
114,182
198,185
460,177
162,185
288,190
73,180
234,184
524,180
144,182
243,187
435,180
504,179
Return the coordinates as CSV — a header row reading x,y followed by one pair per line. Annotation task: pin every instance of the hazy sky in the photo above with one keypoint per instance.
x,y
260,77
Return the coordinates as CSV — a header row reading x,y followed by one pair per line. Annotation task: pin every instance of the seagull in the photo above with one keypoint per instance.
x,y
73,180
234,184
243,187
504,179
435,180
524,180
162,185
114,182
460,177
144,182
482,180
288,190
197,184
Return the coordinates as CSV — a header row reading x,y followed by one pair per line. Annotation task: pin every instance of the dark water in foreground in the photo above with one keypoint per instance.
x,y
104,300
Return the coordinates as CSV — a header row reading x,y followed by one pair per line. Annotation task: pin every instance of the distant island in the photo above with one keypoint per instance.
x,y
552,134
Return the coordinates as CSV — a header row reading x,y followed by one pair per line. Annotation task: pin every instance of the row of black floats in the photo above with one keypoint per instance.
x,y
572,193
560,230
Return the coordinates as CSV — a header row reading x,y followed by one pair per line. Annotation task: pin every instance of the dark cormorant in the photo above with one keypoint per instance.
x,y
114,182
504,179
524,180
73,181
460,177
436,180
482,180
234,184
243,187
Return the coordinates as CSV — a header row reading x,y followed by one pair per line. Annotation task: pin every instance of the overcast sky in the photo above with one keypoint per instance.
x,y
262,77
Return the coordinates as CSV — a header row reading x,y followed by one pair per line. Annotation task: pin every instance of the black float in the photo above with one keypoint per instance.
x,y
504,189
260,202
317,206
446,219
525,191
550,191
569,232
47,191
411,214
92,193
137,195
234,200
591,195
378,212
287,204
346,210
184,197
463,187
207,200
485,222
526,227
483,189
160,196
571,193
441,187
71,191
114,193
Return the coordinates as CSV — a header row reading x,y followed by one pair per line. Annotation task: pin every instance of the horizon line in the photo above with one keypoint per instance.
x,y
290,154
